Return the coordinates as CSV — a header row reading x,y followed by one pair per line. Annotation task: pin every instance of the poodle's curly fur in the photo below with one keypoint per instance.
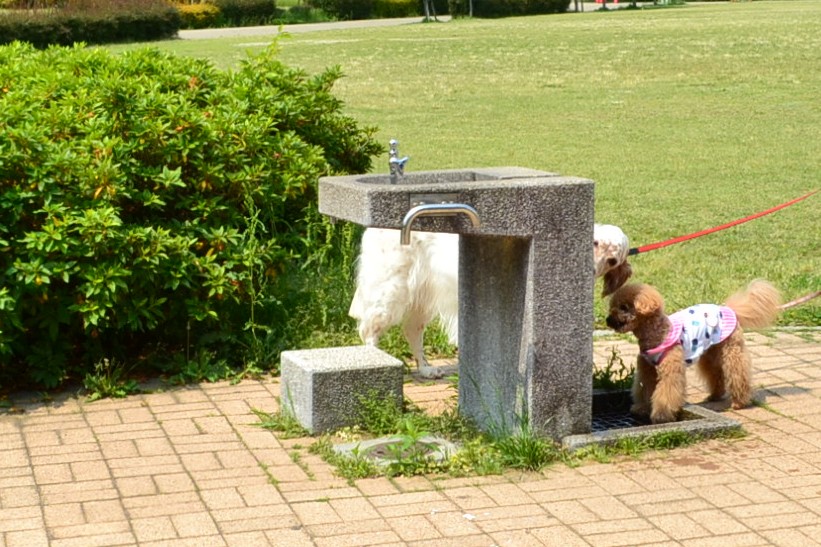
x,y
659,389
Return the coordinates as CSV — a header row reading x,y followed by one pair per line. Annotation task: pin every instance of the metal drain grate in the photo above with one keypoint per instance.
x,y
615,420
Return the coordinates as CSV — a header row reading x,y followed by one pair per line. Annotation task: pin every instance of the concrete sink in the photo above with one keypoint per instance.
x,y
371,200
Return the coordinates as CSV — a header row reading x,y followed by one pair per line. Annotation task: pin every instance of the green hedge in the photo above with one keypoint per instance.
x,y
150,203
82,21
243,13
386,9
507,8
199,16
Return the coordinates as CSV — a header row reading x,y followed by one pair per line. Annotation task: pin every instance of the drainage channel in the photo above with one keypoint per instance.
x,y
612,421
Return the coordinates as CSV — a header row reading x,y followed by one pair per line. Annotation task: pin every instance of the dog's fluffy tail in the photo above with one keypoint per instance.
x,y
756,306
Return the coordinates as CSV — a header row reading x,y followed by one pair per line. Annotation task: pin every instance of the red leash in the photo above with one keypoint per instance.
x,y
659,245
799,301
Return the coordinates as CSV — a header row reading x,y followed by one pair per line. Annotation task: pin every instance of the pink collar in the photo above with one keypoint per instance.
x,y
673,337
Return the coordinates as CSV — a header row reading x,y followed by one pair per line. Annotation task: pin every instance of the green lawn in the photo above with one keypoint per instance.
x,y
685,118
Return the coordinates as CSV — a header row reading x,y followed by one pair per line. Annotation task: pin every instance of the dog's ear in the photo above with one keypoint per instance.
x,y
648,301
616,277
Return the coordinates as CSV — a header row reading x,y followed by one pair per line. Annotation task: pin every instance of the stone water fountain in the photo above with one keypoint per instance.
x,y
525,305
525,281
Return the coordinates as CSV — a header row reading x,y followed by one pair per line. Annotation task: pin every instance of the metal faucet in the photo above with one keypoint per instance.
x,y
396,164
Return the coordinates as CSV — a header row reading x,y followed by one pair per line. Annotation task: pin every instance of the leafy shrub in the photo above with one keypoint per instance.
x,y
346,10
199,15
150,202
242,13
91,21
301,14
507,8
395,8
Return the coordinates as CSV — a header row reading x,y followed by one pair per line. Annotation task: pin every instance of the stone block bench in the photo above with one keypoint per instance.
x,y
322,388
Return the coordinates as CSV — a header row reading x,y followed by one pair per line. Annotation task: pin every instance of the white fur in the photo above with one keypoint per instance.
x,y
412,284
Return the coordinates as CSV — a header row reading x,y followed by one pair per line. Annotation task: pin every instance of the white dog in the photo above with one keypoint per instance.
x,y
412,284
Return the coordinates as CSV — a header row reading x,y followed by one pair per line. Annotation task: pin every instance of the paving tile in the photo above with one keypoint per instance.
x,y
104,511
311,494
788,538
778,522
720,495
618,483
119,449
135,486
97,540
90,530
686,506
266,523
315,512
90,470
454,523
430,507
275,538
717,522
678,527
64,514
477,540
194,524
256,538
17,519
26,538
153,528
222,498
507,494
251,513
756,492
470,498
354,509
78,492
559,536
37,439
490,525
542,496
515,538
413,484
173,482
414,528
103,417
749,539
19,496
599,527
348,528
609,507
570,512
162,505
636,537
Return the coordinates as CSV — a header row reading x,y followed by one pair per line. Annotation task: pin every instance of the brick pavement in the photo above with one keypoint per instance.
x,y
186,467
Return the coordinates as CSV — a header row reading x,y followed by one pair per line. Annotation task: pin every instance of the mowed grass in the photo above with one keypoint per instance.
x,y
685,118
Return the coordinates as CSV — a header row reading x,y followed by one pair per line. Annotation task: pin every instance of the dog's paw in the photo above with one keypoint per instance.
x,y
640,409
738,405
663,416
429,372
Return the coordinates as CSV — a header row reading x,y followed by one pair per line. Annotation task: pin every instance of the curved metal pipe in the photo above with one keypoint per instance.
x,y
436,210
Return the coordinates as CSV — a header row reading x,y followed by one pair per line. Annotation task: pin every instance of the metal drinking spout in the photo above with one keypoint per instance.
x,y
436,210
395,163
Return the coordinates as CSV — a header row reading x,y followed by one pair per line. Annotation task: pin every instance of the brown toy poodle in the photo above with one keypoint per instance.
x,y
708,334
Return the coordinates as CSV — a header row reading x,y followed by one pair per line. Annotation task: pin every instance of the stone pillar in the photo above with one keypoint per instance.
x,y
526,321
